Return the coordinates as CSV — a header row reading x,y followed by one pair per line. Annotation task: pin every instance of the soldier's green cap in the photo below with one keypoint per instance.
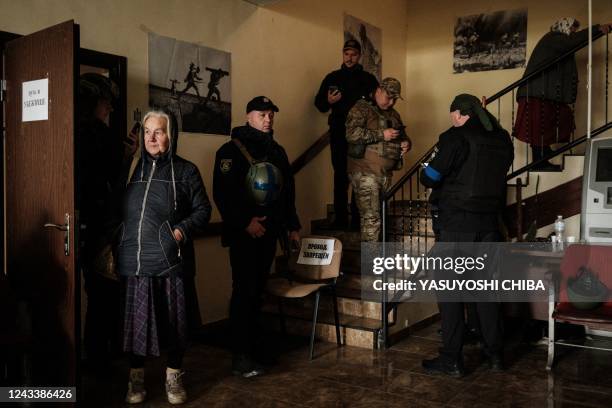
x,y
392,86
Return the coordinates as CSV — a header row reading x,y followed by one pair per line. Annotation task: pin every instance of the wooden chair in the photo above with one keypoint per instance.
x,y
309,275
598,259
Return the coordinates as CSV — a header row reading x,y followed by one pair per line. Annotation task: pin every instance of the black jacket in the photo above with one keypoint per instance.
x,y
101,176
163,194
560,82
354,83
229,190
458,186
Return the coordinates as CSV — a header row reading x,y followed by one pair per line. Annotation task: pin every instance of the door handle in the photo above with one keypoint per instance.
x,y
57,226
66,228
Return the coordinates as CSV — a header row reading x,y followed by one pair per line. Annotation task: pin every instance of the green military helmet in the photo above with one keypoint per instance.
x,y
586,291
264,182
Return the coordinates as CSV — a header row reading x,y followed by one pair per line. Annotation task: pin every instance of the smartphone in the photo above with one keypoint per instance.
x,y
334,88
135,129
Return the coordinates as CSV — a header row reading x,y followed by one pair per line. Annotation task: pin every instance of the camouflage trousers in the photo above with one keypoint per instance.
x,y
369,189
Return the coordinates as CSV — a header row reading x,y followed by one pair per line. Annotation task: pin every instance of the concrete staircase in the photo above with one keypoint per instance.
x,y
360,319
572,167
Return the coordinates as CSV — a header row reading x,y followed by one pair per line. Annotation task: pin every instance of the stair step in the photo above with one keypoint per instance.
x,y
407,213
363,286
353,334
393,203
327,317
410,203
349,306
348,293
355,331
352,239
561,160
349,281
410,225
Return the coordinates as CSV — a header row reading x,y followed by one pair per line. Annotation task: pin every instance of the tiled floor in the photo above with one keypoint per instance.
x,y
353,377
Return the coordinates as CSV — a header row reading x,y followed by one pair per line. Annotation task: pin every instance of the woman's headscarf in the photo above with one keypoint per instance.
x,y
564,25
470,105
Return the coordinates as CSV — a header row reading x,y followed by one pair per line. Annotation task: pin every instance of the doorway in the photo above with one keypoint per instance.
x,y
40,283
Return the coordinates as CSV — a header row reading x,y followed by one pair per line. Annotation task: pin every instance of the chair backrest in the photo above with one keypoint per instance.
x,y
596,258
318,259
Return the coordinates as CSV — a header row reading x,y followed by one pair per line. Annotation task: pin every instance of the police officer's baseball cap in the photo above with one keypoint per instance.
x,y
392,86
352,45
261,103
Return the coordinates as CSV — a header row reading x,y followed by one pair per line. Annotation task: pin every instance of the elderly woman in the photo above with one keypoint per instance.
x,y
545,115
165,207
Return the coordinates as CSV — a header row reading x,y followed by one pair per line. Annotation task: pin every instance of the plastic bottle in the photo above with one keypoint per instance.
x,y
559,228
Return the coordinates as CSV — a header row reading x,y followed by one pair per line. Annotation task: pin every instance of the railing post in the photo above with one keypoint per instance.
x,y
519,210
384,332
590,70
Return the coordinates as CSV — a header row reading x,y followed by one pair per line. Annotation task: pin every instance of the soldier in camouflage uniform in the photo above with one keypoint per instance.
x,y
377,142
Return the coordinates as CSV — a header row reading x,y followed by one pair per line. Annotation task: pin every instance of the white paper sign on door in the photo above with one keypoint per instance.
x,y
35,97
316,251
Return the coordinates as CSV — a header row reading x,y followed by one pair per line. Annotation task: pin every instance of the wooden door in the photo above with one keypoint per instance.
x,y
40,189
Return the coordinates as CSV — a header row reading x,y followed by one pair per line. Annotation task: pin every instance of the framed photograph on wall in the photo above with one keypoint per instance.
x,y
370,38
192,82
486,42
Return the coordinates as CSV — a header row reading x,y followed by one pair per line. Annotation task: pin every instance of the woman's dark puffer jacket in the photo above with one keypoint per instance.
x,y
163,194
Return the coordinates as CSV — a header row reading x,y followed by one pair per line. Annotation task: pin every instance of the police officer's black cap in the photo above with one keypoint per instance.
x,y
352,44
261,103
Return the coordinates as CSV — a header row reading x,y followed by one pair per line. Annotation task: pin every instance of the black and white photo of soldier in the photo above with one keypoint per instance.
x,y
192,79
215,78
370,38
485,42
192,82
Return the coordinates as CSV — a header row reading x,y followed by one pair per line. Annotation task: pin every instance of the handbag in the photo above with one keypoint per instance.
x,y
104,258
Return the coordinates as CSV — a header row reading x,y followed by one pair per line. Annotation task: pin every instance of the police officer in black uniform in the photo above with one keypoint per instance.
x,y
251,230
469,177
339,91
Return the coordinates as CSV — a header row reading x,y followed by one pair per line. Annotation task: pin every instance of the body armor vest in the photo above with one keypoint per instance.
x,y
481,181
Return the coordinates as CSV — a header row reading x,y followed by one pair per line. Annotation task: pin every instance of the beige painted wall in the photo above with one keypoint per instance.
x,y
432,84
429,62
282,51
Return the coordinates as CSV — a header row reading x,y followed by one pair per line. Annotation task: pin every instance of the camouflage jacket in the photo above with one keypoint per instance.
x,y
365,124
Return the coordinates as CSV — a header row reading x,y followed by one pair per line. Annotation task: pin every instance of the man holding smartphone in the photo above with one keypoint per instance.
x,y
377,142
339,91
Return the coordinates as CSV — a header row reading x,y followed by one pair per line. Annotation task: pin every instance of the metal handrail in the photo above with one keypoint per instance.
x,y
559,151
541,69
390,305
408,174
488,100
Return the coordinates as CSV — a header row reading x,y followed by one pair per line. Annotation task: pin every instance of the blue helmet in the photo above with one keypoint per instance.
x,y
264,183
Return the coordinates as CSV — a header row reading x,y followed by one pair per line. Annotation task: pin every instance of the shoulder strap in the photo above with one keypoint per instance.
x,y
132,168
244,151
